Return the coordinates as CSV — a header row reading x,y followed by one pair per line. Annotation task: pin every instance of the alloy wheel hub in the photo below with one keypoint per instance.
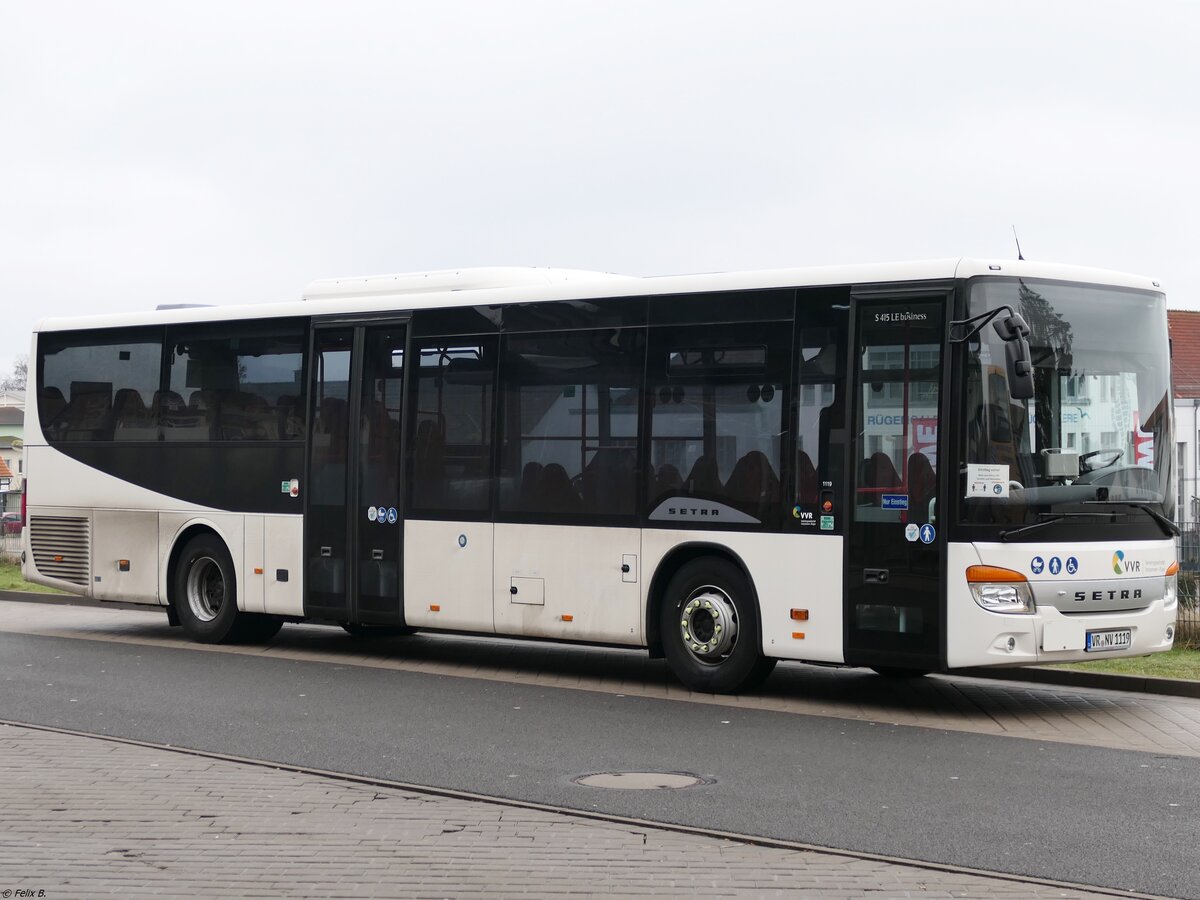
x,y
708,624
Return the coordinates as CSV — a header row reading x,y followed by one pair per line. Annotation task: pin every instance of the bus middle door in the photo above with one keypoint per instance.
x,y
353,522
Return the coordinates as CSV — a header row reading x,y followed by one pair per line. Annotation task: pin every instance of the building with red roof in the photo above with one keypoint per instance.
x,y
1185,384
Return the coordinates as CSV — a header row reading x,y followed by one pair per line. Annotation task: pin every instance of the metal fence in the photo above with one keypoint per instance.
x,y
10,547
1187,620
1187,548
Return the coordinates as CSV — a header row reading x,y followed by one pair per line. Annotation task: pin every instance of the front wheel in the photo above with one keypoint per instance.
x,y
710,630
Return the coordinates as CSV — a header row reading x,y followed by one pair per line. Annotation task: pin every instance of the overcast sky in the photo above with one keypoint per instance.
x,y
230,152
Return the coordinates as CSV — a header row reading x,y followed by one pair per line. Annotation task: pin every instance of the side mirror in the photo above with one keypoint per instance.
x,y
1020,368
1011,327
1013,331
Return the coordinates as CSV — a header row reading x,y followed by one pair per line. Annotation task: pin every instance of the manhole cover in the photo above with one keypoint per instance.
x,y
641,781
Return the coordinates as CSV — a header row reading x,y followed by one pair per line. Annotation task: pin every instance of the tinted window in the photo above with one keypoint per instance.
x,y
235,384
725,306
821,405
897,426
330,423
718,422
452,430
570,423
99,386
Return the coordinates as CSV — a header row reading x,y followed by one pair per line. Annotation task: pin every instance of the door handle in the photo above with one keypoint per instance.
x,y
875,576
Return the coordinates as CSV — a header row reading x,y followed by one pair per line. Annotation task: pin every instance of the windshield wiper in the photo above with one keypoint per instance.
x,y
1170,529
1050,519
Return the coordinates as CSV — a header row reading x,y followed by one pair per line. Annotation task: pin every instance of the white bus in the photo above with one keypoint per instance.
x,y
913,467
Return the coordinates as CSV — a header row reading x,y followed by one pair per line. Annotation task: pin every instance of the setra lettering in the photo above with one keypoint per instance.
x,y
687,511
1081,596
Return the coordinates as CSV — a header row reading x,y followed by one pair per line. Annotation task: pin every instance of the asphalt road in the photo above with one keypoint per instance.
x,y
1115,818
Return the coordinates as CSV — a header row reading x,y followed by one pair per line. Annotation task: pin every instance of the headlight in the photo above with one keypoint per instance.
x,y
1000,590
1171,592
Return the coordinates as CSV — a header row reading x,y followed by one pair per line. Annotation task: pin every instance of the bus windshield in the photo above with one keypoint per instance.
x,y
1094,441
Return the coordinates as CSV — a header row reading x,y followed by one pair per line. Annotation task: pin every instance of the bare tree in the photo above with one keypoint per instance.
x,y
20,375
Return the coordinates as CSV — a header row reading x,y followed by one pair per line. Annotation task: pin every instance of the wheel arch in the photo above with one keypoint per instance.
x,y
674,560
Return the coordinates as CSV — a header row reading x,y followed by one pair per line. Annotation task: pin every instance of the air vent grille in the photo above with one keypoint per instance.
x,y
62,547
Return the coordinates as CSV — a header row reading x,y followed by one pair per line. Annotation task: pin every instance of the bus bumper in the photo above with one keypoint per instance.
x,y
979,637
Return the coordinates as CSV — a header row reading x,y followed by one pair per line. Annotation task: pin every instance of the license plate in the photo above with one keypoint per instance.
x,y
1109,640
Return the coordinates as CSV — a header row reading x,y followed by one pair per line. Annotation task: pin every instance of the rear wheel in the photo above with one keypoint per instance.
x,y
710,629
205,597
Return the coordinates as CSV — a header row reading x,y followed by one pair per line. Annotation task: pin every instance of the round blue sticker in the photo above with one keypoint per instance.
x,y
1072,565
928,533
1055,565
392,515
1037,565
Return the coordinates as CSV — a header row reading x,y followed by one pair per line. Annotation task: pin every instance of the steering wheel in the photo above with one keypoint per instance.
x,y
1115,452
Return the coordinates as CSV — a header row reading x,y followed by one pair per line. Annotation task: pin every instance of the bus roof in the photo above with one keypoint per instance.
x,y
499,285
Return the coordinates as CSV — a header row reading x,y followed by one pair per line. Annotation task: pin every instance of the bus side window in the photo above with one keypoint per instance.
x,y
718,421
569,423
239,382
820,414
94,383
451,422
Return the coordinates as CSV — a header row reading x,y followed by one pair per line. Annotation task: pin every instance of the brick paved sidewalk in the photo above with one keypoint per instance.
x,y
85,817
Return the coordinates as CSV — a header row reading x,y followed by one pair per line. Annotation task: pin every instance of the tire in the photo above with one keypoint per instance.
x,y
204,596
358,630
895,672
711,599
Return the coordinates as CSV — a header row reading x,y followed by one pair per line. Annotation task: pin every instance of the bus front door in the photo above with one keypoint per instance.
x,y
353,523
892,609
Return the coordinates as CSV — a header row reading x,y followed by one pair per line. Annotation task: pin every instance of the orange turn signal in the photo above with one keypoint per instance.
x,y
798,635
800,615
1173,568
568,618
992,574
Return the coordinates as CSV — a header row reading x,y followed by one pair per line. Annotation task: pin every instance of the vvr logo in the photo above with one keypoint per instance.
x,y
1122,566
